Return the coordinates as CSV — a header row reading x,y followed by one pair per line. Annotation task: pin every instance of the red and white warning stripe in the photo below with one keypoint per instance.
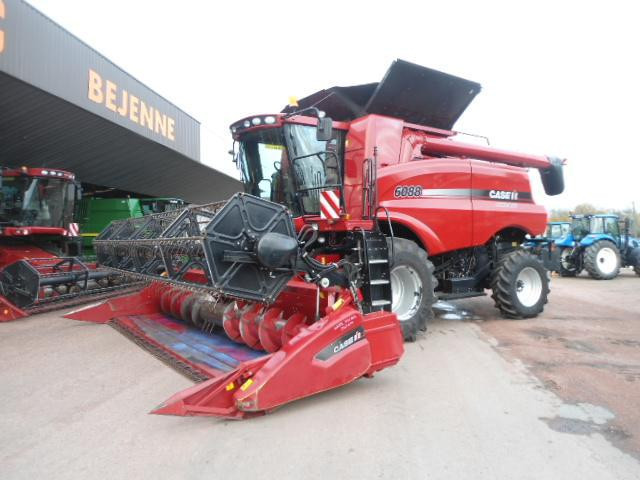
x,y
73,230
330,204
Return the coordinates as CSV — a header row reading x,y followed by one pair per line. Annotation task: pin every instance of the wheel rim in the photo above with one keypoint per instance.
x,y
607,260
528,286
564,259
406,292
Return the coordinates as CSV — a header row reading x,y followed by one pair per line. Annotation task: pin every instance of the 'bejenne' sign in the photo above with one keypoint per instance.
x,y
126,104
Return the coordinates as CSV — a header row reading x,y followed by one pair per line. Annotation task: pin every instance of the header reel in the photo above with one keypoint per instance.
x,y
264,345
246,248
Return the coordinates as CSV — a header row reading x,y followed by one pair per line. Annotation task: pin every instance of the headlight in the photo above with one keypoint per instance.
x,y
256,120
270,120
246,124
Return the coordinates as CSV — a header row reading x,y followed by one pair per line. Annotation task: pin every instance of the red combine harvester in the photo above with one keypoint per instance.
x,y
39,245
359,211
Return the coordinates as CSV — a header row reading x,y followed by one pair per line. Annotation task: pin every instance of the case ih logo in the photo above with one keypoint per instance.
x,y
503,195
3,12
341,344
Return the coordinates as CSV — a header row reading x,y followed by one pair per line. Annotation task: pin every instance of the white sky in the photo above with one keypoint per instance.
x,y
560,78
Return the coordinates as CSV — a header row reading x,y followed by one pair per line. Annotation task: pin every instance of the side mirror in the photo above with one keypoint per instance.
x,y
552,177
324,131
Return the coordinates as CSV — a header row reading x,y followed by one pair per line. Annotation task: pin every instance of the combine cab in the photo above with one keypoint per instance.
x,y
40,244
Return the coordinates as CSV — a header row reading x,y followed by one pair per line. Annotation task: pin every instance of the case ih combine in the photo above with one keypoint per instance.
x,y
39,245
359,209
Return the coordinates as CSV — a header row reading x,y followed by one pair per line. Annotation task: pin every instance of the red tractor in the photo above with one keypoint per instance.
x,y
40,244
359,210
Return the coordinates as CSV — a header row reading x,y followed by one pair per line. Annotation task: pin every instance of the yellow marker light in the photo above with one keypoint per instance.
x,y
293,101
230,387
246,385
338,304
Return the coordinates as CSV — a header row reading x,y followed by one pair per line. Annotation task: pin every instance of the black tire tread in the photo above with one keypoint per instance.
x,y
424,315
591,260
501,284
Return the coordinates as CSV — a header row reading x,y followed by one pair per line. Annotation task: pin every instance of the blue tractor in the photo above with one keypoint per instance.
x,y
599,244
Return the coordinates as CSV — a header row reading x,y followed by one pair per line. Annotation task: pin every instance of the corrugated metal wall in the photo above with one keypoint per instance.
x,y
41,130
41,53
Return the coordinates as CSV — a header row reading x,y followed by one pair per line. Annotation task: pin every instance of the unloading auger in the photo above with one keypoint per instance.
x,y
237,302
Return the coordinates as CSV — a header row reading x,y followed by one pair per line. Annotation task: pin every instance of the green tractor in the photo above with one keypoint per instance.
x,y
600,244
94,214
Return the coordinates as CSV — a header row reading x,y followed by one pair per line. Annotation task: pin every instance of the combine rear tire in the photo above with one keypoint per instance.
x,y
412,285
520,285
602,260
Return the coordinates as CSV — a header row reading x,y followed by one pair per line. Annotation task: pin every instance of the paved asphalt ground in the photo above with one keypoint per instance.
x,y
556,397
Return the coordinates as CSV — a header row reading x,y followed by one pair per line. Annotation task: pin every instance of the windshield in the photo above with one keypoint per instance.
x,y
596,225
558,230
159,205
43,202
289,166
580,227
604,225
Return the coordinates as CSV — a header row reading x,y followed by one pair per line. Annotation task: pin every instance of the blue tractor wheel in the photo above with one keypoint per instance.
x,y
634,260
602,260
567,266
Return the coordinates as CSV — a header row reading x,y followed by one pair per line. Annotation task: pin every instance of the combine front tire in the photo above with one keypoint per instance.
x,y
412,285
520,285
602,260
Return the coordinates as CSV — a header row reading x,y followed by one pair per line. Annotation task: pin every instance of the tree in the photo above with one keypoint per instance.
x,y
585,209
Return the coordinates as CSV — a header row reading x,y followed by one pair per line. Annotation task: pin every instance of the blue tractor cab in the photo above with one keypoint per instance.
x,y
558,230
